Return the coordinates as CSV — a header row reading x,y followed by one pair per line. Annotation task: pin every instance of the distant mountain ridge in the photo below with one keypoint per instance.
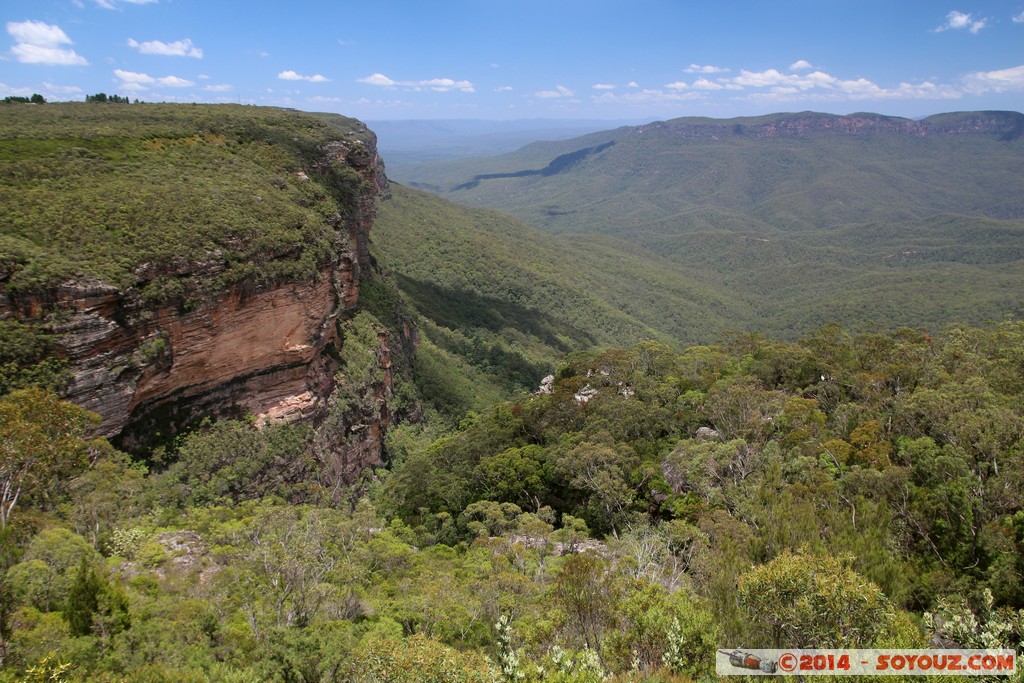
x,y
614,180
1007,124
802,218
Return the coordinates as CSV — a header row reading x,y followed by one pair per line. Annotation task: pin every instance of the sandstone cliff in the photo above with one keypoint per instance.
x,y
227,346
1005,124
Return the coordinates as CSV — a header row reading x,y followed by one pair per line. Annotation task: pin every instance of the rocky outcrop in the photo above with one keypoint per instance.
x,y
267,349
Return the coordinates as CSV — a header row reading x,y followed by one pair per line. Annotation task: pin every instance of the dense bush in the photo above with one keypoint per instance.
x,y
745,493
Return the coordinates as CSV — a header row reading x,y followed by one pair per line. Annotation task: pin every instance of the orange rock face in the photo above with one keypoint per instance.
x,y
281,328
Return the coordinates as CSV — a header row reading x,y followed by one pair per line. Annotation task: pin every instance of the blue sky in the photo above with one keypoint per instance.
x,y
512,59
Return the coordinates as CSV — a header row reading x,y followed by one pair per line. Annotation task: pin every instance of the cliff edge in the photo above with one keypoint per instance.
x,y
188,260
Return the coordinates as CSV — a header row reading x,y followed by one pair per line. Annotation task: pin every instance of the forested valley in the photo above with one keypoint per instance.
x,y
568,490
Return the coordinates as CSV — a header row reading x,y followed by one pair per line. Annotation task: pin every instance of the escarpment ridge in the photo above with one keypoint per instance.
x,y
188,260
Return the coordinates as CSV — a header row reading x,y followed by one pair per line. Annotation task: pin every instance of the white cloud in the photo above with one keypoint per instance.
x,y
179,48
435,84
377,79
705,69
772,85
857,90
1018,18
293,76
705,84
646,96
9,91
503,88
321,99
62,89
112,4
445,84
1001,80
559,91
677,85
958,20
223,87
40,43
174,82
759,79
603,86
632,84
800,65
773,78
133,80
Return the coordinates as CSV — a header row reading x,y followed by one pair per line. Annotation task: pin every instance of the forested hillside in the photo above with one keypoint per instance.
x,y
645,508
512,299
799,219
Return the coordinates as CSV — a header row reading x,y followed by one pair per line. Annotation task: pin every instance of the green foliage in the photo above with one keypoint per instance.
x,y
508,660
112,490
43,443
26,358
50,669
588,596
651,507
103,98
511,300
416,660
232,460
83,599
44,576
85,191
663,628
901,449
954,621
804,600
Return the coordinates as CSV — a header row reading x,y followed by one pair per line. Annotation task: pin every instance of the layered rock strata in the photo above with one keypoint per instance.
x,y
268,350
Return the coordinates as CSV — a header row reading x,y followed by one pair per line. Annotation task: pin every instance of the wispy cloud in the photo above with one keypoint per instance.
x,y
112,4
646,96
434,84
1018,18
705,69
1001,80
6,90
133,80
774,84
800,82
956,21
62,89
294,76
179,48
37,42
705,84
223,87
559,91
603,86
